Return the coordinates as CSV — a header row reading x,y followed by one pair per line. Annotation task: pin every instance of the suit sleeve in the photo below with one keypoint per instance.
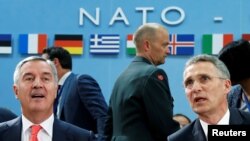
x,y
159,105
6,114
91,95
108,130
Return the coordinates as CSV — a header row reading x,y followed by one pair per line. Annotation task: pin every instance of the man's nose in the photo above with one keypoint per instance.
x,y
37,83
196,85
168,50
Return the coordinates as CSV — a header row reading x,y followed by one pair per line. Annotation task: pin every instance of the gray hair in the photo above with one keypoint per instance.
x,y
221,67
33,58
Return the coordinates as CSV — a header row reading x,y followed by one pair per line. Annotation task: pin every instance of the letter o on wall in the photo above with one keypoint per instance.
x,y
173,8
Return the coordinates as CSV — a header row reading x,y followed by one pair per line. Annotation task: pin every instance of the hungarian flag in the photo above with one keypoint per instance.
x,y
181,44
32,43
5,44
131,50
246,37
72,43
213,43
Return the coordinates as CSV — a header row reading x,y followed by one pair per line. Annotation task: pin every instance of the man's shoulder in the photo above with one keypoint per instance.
x,y
186,133
238,116
84,77
71,130
6,114
9,124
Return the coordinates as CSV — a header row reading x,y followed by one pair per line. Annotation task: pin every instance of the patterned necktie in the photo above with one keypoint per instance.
x,y
34,131
57,98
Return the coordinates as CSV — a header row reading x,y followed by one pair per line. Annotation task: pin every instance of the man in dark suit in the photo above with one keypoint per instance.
x,y
141,105
236,56
6,114
35,86
81,102
207,84
62,131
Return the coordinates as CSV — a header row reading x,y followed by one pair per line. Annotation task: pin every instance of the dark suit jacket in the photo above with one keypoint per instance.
x,y
194,131
141,105
62,131
6,114
83,104
235,97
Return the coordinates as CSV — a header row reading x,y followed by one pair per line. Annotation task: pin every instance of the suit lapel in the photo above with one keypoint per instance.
x,y
198,132
60,132
235,117
14,131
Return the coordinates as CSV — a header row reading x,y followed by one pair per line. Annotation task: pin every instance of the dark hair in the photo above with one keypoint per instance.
x,y
182,115
236,56
62,54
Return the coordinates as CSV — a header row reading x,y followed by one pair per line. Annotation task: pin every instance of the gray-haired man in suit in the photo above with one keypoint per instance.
x,y
35,86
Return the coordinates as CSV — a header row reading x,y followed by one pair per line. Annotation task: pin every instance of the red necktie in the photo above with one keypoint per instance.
x,y
34,131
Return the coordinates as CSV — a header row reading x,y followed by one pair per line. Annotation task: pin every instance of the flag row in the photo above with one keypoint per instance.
x,y
180,44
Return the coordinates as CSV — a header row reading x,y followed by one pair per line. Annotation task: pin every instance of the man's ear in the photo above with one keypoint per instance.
x,y
146,45
56,61
228,85
15,91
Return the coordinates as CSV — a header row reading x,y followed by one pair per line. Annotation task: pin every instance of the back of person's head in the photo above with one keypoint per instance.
x,y
236,56
61,54
182,119
146,31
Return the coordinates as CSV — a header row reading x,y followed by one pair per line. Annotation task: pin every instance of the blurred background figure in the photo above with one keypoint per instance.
x,y
6,114
182,119
236,56
79,100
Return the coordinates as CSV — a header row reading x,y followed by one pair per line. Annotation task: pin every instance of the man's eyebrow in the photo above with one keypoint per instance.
x,y
27,74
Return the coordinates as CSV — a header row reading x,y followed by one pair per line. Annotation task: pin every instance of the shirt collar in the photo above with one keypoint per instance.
x,y
47,125
64,77
223,121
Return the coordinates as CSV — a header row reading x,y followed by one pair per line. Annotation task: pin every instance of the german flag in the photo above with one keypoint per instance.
x,y
72,43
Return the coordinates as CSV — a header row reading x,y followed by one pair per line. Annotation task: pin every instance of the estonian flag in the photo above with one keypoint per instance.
x,y
5,44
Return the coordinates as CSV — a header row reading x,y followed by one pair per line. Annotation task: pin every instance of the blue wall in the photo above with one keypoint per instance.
x,y
62,17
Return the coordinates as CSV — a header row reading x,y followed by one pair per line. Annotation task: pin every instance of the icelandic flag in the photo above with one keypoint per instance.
x,y
32,43
5,44
181,44
104,43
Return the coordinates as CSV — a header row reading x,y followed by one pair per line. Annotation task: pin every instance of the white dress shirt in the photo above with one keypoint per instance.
x,y
45,134
224,121
61,82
